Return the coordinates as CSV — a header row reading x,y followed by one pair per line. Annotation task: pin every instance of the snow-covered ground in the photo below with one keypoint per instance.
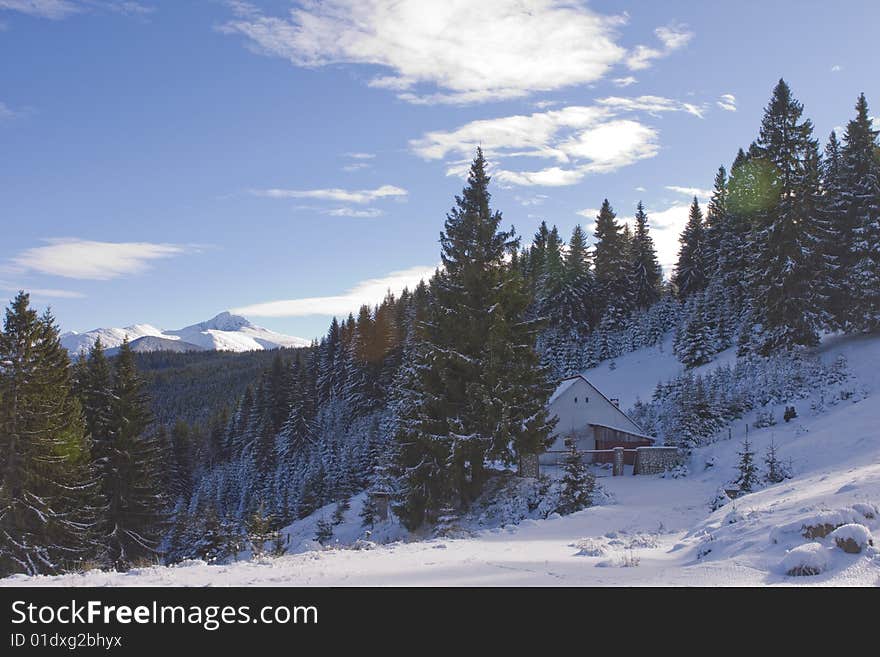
x,y
657,530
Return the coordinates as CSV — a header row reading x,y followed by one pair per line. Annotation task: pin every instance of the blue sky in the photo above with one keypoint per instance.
x,y
163,160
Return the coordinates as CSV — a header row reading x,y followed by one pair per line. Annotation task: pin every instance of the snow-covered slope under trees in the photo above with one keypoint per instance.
x,y
655,531
225,332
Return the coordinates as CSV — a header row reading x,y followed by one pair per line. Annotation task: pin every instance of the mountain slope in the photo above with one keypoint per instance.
x,y
225,332
657,531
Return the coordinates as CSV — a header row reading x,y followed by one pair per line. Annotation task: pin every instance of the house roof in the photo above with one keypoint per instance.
x,y
565,384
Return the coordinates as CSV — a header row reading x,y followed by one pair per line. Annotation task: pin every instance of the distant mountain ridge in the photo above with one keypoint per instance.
x,y
224,332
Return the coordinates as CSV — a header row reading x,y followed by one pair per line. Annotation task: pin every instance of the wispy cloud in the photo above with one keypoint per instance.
x,y
672,37
441,52
727,102
837,68
624,82
6,112
580,140
700,193
361,156
85,259
360,196
47,293
366,213
370,291
60,9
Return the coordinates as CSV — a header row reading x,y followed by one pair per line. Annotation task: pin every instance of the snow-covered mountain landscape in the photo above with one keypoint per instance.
x,y
590,296
224,332
650,530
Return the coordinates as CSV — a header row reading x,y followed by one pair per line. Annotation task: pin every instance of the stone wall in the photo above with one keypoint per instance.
x,y
653,460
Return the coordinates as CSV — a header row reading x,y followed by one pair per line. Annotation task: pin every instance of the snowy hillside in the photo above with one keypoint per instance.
x,y
225,332
655,530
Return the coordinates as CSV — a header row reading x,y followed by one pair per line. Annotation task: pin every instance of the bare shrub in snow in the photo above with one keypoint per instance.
x,y
591,547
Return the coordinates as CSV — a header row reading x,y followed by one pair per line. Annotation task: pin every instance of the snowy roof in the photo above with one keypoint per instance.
x,y
565,384
562,387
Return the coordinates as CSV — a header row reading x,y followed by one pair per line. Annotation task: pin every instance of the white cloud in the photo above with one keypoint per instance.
x,y
370,291
579,140
361,156
528,201
727,102
589,213
6,112
353,212
624,82
641,189
54,9
443,52
544,104
335,194
47,293
672,37
836,68
85,259
60,9
701,194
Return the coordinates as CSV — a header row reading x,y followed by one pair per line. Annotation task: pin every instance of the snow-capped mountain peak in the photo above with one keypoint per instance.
x,y
224,332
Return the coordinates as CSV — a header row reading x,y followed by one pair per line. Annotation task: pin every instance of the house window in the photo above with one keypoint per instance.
x,y
575,400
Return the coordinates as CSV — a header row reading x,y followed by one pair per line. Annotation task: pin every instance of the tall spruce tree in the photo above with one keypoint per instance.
x,y
645,273
861,205
46,492
130,472
837,247
477,391
785,243
611,261
691,271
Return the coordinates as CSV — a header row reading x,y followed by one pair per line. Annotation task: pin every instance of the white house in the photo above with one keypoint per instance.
x,y
590,419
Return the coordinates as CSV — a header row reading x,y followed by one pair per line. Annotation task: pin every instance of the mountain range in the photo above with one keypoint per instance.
x,y
225,332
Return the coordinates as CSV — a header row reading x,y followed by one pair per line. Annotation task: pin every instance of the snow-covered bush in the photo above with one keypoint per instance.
x,y
806,560
852,538
866,509
721,498
764,419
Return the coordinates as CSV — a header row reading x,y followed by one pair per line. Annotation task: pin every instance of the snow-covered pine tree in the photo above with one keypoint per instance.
x,y
785,246
611,263
839,238
645,275
578,484
47,498
130,472
478,391
748,469
861,203
691,271
776,470
716,224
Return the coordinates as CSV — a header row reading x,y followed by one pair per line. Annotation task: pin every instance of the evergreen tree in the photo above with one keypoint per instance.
x,y
748,470
578,484
717,225
46,494
776,470
645,273
861,204
837,247
611,260
130,472
477,391
692,270
785,245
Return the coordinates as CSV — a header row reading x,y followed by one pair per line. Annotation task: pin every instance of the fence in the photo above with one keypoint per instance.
x,y
645,460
